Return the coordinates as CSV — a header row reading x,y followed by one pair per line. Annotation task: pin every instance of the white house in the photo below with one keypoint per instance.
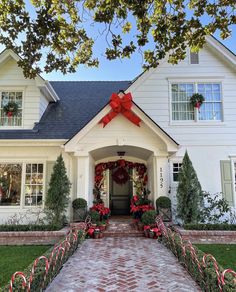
x,y
64,117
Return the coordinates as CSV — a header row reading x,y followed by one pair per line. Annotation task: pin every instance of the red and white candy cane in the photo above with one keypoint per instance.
x,y
228,271
34,268
194,258
20,274
207,258
66,245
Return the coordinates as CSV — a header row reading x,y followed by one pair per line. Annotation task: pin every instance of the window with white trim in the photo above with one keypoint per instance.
x,y
210,110
34,184
5,98
175,171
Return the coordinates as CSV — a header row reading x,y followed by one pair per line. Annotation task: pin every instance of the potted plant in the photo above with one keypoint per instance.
x,y
163,205
96,233
95,218
148,218
79,209
146,229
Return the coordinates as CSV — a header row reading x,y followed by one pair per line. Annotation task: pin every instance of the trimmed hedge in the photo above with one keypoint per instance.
x,y
209,281
40,270
221,226
4,228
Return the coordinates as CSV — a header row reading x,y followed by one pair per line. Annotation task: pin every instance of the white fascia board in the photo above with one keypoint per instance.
x,y
221,49
33,142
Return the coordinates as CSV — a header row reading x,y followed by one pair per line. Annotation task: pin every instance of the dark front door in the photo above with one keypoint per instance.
x,y
120,195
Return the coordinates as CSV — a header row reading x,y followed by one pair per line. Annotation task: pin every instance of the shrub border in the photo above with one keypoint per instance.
x,y
203,227
203,268
43,270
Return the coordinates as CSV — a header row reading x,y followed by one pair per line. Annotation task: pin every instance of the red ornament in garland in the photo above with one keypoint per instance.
x,y
120,176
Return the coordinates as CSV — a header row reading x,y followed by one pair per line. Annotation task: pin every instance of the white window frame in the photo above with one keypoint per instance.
x,y
23,162
196,81
43,185
189,58
14,89
179,160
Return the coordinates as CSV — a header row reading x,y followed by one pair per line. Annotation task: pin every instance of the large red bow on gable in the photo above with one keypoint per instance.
x,y
121,105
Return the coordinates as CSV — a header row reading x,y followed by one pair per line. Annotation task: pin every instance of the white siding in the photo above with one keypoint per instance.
x,y
151,92
11,76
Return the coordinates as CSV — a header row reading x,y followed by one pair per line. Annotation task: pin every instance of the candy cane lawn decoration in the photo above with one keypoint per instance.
x,y
21,275
34,268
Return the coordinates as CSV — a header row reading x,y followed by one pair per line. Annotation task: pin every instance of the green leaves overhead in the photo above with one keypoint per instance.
x,y
62,33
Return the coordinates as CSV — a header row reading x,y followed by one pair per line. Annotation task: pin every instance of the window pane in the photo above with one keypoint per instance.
x,y
34,184
181,107
7,97
211,109
10,184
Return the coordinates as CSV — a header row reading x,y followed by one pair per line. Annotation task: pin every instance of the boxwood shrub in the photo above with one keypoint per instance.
x,y
221,226
29,227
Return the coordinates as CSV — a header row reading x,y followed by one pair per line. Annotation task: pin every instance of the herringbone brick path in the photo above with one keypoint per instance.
x,y
123,264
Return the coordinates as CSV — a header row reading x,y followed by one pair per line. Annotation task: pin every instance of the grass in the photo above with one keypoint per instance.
x,y
17,258
225,254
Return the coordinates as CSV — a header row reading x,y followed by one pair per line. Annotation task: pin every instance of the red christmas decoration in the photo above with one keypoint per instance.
x,y
140,168
121,105
120,176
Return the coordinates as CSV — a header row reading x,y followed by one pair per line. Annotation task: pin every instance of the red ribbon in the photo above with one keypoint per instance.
x,y
121,105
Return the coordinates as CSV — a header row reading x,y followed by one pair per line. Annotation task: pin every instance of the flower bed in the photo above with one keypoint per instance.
x,y
38,275
203,267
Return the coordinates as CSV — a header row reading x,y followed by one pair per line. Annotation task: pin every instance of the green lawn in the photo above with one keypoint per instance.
x,y
225,254
17,258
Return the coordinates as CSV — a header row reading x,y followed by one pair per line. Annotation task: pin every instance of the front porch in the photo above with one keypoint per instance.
x,y
94,145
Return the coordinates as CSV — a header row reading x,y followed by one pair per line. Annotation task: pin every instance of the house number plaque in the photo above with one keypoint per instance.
x,y
161,178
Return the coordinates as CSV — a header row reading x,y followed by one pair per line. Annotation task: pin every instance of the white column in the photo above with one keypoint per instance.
x,y
83,177
162,176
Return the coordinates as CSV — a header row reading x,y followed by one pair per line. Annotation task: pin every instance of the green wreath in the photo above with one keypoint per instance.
x,y
196,100
11,109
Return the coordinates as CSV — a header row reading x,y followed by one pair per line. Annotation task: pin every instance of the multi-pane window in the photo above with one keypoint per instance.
x,y
175,172
182,110
5,98
34,184
10,184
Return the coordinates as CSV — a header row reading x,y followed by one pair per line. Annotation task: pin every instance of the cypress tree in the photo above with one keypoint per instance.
x,y
189,193
58,193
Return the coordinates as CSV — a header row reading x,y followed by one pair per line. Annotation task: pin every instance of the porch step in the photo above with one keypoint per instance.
x,y
122,228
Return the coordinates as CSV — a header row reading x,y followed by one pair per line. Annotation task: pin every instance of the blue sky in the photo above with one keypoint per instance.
x,y
125,69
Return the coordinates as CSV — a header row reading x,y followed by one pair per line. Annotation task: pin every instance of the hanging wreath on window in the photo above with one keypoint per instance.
x,y
120,176
11,109
196,100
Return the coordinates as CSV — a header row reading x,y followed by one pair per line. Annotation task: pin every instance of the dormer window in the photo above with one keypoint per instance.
x,y
194,58
11,118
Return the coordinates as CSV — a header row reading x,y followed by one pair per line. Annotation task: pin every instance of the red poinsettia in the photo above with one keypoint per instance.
x,y
157,231
101,209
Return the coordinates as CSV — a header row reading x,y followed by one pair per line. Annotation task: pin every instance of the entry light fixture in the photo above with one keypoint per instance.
x,y
121,153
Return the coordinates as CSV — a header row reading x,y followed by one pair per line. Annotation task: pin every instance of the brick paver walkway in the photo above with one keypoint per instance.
x,y
123,264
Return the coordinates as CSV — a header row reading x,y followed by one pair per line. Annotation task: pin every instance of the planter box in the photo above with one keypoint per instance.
x,y
208,236
32,237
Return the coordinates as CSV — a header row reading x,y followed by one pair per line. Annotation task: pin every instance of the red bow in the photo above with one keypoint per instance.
x,y
121,105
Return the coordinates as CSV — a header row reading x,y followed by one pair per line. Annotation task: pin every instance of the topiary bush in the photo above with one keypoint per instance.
x,y
163,202
148,218
79,203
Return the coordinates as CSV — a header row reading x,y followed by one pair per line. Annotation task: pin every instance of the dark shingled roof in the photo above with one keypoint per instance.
x,y
79,102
